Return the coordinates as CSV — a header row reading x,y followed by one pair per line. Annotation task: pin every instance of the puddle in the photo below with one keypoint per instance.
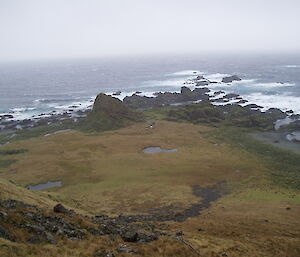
x,y
47,185
283,122
157,149
295,136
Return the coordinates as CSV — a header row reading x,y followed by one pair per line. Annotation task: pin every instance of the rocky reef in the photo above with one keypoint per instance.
x,y
164,99
231,79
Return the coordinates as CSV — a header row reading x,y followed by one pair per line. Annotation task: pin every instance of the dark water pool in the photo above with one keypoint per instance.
x,y
157,149
47,185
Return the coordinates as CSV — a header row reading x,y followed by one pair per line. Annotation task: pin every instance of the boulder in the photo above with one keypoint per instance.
x,y
230,79
59,208
232,95
137,236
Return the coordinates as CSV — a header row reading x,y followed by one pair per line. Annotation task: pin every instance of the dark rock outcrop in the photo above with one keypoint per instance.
x,y
109,113
59,208
231,79
185,96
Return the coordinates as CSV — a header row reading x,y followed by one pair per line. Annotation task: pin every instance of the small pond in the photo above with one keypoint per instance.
x,y
47,185
157,149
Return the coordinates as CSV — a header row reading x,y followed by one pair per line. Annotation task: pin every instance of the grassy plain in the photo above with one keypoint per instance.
x,y
108,173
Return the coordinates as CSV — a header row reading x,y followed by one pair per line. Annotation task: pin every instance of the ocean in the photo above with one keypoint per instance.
x,y
29,89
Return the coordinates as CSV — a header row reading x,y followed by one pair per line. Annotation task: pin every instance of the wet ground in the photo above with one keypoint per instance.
x,y
207,196
278,139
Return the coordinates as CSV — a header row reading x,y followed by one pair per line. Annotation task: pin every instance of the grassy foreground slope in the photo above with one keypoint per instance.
x,y
106,172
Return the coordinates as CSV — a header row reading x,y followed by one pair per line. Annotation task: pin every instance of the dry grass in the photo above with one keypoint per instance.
x,y
108,172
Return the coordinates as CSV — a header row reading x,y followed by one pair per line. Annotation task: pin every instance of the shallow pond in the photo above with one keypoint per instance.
x,y
47,185
157,149
295,136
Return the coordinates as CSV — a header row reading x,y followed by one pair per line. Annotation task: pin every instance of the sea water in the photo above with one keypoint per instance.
x,y
30,89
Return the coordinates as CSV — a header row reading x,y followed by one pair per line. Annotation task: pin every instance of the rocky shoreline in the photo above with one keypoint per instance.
x,y
201,94
9,124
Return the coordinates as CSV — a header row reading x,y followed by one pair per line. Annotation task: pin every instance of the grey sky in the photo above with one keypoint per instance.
x,y
38,29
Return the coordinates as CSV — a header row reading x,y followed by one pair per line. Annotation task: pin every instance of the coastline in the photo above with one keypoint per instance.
x,y
196,89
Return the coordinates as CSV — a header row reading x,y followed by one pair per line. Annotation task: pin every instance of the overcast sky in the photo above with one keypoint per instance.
x,y
41,29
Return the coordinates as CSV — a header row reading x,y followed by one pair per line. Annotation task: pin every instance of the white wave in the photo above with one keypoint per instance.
x,y
39,100
185,73
231,101
291,66
216,76
273,85
165,83
23,109
284,102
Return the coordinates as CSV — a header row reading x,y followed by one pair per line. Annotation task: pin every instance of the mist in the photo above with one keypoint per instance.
x,y
55,29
